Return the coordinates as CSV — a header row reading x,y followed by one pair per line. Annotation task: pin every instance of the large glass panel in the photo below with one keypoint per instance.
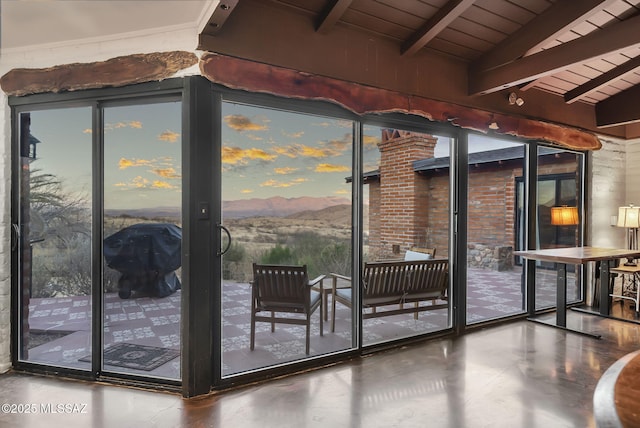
x,y
494,284
406,234
559,188
286,192
142,245
55,237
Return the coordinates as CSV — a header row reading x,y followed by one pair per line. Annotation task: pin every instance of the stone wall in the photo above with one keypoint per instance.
x,y
499,258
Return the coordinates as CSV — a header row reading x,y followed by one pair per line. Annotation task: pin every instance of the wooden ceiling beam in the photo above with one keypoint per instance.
x,y
603,80
438,22
609,40
557,19
619,109
219,16
332,14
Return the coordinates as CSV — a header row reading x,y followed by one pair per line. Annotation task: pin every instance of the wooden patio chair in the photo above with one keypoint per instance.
x,y
280,289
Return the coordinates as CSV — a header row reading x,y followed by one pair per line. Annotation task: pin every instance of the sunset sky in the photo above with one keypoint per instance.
x,y
265,153
269,152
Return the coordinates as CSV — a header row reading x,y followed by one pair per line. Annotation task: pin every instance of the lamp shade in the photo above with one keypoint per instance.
x,y
564,216
629,216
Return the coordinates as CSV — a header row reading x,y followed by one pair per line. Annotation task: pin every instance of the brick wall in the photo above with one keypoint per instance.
x,y
399,200
409,209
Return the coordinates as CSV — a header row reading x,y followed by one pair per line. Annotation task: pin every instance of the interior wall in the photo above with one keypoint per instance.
x,y
606,184
632,190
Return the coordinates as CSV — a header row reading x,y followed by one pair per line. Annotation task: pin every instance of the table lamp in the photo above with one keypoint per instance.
x,y
629,217
564,216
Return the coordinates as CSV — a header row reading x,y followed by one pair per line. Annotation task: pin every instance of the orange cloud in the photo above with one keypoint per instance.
x,y
136,124
169,136
246,191
157,184
236,155
285,170
242,123
370,141
128,163
300,150
166,172
327,167
139,182
282,184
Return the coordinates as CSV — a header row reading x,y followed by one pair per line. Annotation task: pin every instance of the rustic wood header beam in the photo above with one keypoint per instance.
x,y
620,109
258,77
611,39
604,79
557,19
331,15
437,23
120,71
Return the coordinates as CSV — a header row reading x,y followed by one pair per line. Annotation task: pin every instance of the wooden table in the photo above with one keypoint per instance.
x,y
578,256
615,400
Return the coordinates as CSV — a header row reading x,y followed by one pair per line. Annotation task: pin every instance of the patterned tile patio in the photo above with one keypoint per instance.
x,y
156,322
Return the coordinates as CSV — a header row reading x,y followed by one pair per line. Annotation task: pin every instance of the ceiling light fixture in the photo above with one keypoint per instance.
x,y
515,99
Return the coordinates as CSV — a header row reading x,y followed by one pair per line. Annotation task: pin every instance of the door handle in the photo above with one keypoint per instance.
x,y
220,253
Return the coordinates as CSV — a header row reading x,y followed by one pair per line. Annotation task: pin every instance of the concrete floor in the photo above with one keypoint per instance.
x,y
520,374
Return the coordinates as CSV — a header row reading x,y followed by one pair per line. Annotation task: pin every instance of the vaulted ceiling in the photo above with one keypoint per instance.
x,y
584,51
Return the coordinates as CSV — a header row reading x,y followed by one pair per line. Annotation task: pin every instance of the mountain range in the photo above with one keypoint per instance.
x,y
278,206
264,207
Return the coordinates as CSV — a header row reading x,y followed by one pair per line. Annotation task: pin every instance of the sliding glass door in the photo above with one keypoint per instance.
x,y
142,229
406,201
118,165
559,188
495,286
54,227
287,208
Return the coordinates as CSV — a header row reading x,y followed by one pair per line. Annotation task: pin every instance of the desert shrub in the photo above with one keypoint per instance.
x,y
336,258
321,254
279,255
233,260
62,267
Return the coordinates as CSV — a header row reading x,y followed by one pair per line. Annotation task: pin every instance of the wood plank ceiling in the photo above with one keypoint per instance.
x,y
582,50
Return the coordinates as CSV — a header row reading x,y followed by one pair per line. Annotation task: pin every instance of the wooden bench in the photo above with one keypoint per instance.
x,y
390,283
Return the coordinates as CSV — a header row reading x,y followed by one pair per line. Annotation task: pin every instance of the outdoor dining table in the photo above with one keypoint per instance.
x,y
578,256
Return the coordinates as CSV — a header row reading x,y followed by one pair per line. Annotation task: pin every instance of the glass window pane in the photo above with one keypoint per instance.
x,y
142,246
559,187
406,214
286,189
55,224
495,226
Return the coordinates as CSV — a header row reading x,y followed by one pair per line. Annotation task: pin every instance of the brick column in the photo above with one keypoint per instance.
x,y
402,198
